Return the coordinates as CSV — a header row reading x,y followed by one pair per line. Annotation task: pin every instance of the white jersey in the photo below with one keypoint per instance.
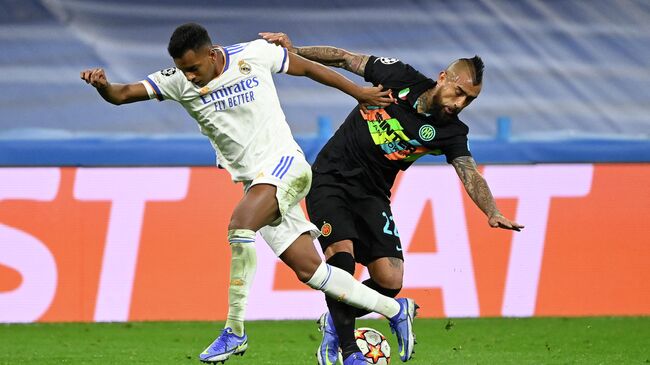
x,y
238,111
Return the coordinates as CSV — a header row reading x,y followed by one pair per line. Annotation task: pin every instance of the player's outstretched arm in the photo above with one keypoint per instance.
x,y
326,55
367,96
114,93
478,189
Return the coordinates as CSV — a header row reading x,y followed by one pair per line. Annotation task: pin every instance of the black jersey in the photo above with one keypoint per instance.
x,y
377,145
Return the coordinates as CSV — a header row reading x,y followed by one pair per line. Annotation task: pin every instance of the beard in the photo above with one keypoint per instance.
x,y
437,110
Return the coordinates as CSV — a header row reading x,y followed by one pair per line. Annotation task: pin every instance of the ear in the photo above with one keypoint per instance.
x,y
442,76
213,55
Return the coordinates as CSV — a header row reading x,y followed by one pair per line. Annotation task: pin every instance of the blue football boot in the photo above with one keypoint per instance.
x,y
402,326
328,350
356,358
224,346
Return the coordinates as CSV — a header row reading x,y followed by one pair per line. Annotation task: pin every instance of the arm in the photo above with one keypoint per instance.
x,y
326,55
478,190
336,57
366,96
114,93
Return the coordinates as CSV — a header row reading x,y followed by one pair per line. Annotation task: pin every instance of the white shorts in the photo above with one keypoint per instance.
x,y
291,175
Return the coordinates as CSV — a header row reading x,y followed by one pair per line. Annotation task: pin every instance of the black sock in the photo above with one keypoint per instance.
x,y
358,312
342,314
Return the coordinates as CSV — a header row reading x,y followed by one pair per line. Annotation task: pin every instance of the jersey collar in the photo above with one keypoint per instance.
x,y
226,62
415,106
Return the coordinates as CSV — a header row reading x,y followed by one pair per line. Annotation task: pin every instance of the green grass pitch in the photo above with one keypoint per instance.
x,y
598,340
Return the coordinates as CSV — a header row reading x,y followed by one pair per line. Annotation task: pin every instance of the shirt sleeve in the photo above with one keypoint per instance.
x,y
164,84
391,73
275,57
458,148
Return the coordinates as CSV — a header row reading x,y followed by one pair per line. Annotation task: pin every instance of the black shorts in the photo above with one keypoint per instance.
x,y
344,210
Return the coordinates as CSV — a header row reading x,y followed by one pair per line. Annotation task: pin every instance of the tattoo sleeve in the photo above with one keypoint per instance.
x,y
336,57
475,185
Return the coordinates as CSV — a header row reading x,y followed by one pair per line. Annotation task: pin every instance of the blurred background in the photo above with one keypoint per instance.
x,y
574,72
561,130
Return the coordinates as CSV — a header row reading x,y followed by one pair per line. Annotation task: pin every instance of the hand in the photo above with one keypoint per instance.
x,y
499,221
374,96
280,39
96,77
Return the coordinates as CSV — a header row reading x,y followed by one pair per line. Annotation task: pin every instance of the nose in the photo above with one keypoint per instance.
x,y
190,76
460,103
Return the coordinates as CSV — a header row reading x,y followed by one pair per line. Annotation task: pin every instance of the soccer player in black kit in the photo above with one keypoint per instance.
x,y
355,170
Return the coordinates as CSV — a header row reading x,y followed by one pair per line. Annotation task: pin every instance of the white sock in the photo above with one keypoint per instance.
x,y
338,284
243,264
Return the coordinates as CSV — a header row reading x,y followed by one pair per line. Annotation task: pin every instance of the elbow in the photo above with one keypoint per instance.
x,y
314,70
118,100
310,73
113,99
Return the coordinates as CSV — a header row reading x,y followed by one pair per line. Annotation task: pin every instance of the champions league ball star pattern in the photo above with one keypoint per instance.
x,y
373,345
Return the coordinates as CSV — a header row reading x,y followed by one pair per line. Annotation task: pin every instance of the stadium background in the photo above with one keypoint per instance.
x,y
116,214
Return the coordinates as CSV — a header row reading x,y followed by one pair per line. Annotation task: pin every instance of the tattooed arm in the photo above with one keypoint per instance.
x,y
477,188
326,55
336,57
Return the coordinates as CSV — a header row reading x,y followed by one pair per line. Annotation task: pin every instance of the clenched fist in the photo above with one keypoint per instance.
x,y
96,77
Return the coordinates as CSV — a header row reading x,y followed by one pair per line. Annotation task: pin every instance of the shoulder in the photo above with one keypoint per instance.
x,y
452,130
257,49
234,49
260,52
462,127
167,83
392,68
385,60
170,75
258,46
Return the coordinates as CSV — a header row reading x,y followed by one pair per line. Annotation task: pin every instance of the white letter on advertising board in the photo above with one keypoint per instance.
x,y
533,187
451,267
25,253
128,189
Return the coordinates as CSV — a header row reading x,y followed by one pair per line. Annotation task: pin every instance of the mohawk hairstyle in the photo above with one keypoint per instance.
x,y
190,36
477,65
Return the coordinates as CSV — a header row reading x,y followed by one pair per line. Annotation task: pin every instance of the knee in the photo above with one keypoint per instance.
x,y
305,274
306,270
236,223
345,246
389,279
243,221
343,260
393,284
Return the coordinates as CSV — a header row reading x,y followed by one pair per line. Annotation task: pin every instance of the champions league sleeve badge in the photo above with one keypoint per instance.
x,y
168,71
388,60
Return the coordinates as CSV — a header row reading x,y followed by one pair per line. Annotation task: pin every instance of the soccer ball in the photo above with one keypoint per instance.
x,y
373,345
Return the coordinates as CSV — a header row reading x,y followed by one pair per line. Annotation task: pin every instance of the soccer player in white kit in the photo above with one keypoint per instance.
x,y
230,92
